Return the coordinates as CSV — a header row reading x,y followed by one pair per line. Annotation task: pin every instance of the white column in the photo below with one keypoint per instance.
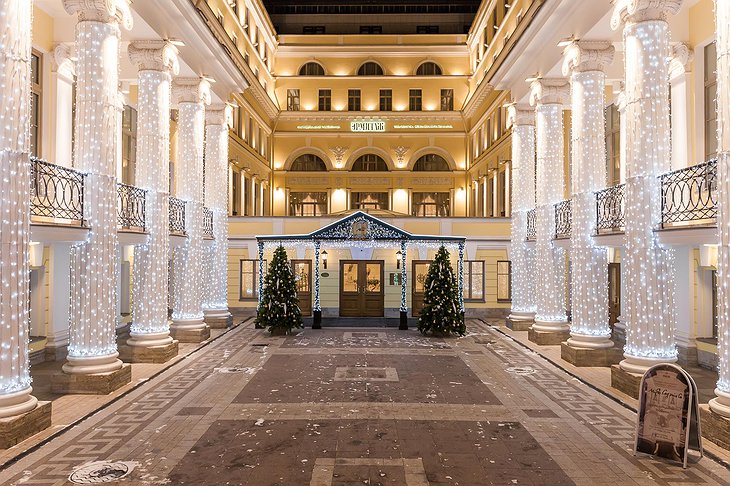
x,y
217,118
549,96
649,266
585,62
191,94
721,403
156,62
15,389
522,119
681,99
63,74
93,298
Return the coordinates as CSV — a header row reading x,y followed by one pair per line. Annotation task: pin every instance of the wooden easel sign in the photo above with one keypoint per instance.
x,y
668,422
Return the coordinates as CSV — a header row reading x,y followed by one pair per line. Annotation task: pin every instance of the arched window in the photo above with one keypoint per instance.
x,y
308,163
311,69
428,69
370,69
431,163
370,163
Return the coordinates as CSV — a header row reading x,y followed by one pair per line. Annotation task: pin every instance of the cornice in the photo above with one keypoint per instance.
x,y
477,98
342,116
380,50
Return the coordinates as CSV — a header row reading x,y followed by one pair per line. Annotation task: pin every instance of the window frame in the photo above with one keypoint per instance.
x,y
437,70
324,99
316,205
709,114
509,280
447,99
255,274
468,279
36,89
386,95
418,207
415,99
293,99
129,144
354,99
365,159
378,72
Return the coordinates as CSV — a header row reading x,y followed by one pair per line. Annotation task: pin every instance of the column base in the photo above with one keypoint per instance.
x,y
317,319
148,354
17,428
518,324
403,325
218,318
626,382
195,335
590,357
547,338
93,383
715,427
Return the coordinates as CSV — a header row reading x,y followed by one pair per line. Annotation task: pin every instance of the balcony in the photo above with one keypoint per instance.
x,y
177,217
56,194
531,225
130,208
207,223
563,219
610,210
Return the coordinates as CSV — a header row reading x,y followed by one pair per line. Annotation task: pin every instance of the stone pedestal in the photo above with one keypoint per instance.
x,y
715,427
148,354
544,338
16,429
590,356
92,384
625,382
519,324
197,335
218,319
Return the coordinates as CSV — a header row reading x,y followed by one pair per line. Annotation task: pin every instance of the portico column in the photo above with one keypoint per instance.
x,y
522,254
191,95
150,331
649,265
585,63
317,311
92,346
403,285
215,300
551,322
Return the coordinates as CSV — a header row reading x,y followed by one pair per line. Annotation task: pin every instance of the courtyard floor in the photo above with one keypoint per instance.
x,y
357,407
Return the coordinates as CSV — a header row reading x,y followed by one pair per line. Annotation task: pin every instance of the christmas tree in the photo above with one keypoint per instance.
x,y
441,314
279,309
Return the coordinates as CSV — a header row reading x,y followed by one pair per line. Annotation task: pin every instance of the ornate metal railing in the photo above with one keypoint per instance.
x,y
130,207
177,216
207,223
689,195
563,219
610,209
531,225
56,193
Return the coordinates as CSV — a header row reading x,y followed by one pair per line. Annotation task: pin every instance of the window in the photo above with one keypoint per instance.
x,y
613,145
431,163
249,278
246,196
129,144
371,29
308,163
353,99
370,69
313,29
504,281
311,69
36,77
710,100
307,203
386,100
431,204
415,102
474,280
369,200
428,69
325,99
447,100
236,193
369,163
427,29
292,100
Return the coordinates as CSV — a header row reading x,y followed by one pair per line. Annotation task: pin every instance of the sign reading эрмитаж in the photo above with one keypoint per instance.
x,y
367,126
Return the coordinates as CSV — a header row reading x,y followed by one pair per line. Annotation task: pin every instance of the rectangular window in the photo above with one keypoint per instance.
x,y
504,280
386,100
353,99
369,200
129,144
313,29
325,100
292,100
246,196
427,29
415,102
613,145
307,203
474,280
431,204
371,29
447,100
249,278
236,193
710,101
36,77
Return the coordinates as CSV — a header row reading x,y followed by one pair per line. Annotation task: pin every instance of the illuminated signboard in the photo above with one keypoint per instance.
x,y
367,126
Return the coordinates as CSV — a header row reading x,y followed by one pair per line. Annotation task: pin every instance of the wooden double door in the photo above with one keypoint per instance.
x,y
362,288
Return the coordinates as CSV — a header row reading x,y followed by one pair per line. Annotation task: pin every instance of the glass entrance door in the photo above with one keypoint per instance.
x,y
361,288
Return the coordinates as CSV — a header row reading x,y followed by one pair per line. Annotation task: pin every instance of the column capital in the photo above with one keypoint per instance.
x,y
519,114
635,11
154,55
219,114
191,90
681,58
582,56
63,63
546,91
106,11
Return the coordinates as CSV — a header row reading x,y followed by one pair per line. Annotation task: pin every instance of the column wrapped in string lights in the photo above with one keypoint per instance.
x,y
93,303
549,95
649,266
585,62
522,253
191,96
15,381
721,403
156,62
215,299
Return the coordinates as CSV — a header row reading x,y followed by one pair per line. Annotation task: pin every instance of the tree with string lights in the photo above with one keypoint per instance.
x,y
441,314
279,308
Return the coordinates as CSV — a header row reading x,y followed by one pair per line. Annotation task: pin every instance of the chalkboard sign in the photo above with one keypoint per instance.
x,y
668,422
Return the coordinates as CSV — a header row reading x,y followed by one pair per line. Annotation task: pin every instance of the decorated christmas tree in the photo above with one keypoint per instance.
x,y
279,309
441,314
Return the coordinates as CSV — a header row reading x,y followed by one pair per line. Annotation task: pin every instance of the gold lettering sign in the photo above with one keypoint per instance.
x,y
367,126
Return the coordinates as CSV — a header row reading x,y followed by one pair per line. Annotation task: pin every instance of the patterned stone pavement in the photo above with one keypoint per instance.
x,y
357,407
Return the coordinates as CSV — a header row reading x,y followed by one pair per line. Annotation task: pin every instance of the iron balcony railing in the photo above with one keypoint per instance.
x,y
563,219
610,205
56,193
177,216
689,195
207,223
130,207
531,225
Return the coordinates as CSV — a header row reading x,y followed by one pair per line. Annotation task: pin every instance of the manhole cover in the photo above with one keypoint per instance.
x,y
235,369
101,472
521,370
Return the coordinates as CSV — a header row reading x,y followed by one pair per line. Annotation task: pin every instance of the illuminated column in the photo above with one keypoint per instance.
x,y
215,300
522,254
191,94
157,62
317,308
585,62
403,285
649,266
93,304
549,96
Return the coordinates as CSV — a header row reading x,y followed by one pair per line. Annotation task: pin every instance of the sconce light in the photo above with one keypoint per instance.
x,y
324,259
398,258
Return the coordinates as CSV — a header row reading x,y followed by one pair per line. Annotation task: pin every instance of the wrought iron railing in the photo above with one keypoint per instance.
x,y
689,195
207,223
56,193
531,225
610,216
563,219
130,207
177,216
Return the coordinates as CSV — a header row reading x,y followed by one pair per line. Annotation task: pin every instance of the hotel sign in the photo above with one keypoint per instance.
x,y
367,126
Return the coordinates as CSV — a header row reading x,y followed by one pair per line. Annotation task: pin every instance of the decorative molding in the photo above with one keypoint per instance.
x,y
191,90
368,181
342,116
547,91
635,11
582,56
475,101
339,152
682,56
400,153
432,181
307,180
219,114
63,62
106,11
154,55
519,114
